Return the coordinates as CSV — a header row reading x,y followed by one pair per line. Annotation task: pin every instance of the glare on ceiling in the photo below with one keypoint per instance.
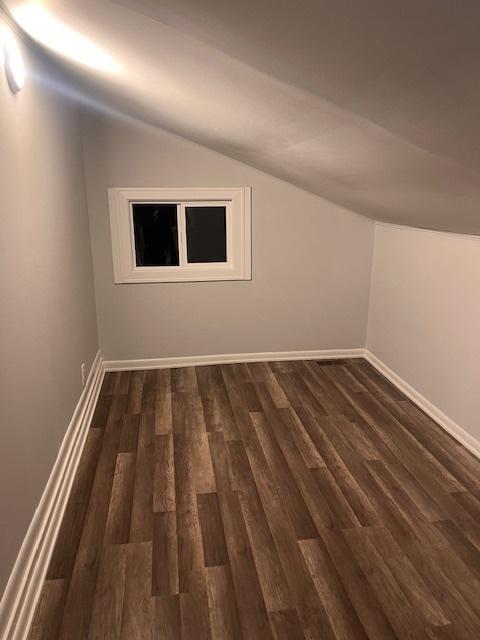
x,y
56,35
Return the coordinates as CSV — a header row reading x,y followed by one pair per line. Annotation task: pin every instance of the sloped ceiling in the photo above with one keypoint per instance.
x,y
373,104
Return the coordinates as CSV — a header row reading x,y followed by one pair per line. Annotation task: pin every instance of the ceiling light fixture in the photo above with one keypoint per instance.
x,y
54,34
13,61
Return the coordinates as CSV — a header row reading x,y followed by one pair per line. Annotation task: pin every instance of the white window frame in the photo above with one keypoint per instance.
x,y
237,202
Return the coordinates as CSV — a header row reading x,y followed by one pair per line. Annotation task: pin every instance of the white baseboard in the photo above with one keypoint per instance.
x,y
454,429
231,358
24,586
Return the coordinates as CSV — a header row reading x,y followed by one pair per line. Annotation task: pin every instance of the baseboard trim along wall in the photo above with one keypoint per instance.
x,y
25,583
231,358
428,407
454,429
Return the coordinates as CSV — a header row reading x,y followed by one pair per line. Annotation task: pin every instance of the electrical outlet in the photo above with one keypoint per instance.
x,y
83,371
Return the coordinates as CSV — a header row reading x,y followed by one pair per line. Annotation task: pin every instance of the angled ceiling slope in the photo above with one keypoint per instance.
x,y
372,104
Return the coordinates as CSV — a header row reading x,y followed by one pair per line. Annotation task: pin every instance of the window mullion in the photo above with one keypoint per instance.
x,y
182,233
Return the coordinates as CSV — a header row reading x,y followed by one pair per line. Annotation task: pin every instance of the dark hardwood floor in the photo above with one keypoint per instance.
x,y
286,500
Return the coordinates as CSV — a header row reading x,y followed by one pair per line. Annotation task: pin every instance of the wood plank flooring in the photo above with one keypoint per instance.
x,y
281,501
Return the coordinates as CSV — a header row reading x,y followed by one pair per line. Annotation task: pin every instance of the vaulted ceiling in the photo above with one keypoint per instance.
x,y
372,104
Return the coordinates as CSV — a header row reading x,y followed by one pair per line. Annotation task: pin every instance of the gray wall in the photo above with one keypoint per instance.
x,y
47,308
311,259
424,317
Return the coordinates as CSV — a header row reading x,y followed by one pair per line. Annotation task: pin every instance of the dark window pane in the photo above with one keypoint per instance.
x,y
156,235
206,234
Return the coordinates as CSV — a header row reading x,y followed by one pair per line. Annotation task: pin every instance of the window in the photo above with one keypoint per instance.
x,y
185,234
155,230
206,233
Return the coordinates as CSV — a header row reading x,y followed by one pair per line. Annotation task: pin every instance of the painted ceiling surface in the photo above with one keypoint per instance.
x,y
372,104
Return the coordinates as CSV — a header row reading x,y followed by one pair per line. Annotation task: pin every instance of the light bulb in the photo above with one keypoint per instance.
x,y
13,61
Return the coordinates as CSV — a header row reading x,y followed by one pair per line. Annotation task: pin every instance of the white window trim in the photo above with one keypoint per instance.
x,y
238,207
